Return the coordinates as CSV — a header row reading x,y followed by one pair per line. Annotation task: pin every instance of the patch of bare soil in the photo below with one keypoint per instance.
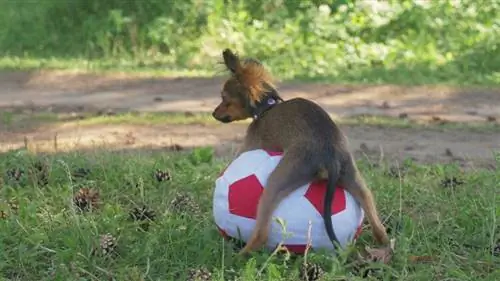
x,y
469,150
67,92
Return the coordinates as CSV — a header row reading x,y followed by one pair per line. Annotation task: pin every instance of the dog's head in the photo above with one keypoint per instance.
x,y
248,85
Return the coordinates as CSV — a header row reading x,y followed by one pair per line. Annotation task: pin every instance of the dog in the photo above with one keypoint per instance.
x,y
313,145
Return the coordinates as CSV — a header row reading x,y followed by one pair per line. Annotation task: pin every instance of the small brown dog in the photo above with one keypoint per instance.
x,y
313,146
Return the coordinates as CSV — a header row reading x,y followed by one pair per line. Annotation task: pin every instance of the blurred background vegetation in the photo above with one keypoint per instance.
x,y
403,41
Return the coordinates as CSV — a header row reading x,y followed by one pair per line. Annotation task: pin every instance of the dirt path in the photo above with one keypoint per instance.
x,y
77,92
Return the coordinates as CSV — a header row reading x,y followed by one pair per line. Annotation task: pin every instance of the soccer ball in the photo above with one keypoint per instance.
x,y
297,222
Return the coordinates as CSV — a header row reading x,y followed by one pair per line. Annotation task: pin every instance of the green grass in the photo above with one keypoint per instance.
x,y
398,75
101,66
10,119
150,118
48,239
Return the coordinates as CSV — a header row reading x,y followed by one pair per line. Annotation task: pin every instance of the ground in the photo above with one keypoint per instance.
x,y
33,94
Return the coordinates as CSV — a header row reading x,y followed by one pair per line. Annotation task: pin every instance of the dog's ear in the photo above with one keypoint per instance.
x,y
231,60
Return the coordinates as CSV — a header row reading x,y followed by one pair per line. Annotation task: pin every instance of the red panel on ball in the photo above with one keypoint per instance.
x,y
316,193
274,152
297,249
244,196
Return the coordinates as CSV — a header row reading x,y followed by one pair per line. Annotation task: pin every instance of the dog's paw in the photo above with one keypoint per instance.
x,y
381,254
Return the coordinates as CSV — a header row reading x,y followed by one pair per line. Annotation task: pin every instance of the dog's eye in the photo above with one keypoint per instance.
x,y
225,100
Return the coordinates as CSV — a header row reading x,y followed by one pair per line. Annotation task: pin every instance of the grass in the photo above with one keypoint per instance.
x,y
80,65
398,75
47,238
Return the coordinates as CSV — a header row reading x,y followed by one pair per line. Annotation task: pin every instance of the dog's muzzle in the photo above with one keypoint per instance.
x,y
223,119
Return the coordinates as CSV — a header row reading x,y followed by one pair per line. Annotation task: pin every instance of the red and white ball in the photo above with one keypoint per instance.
x,y
240,185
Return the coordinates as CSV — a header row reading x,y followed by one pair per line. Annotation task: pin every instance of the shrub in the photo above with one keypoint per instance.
x,y
447,40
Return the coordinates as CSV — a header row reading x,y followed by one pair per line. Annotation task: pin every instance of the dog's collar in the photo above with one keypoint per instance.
x,y
264,105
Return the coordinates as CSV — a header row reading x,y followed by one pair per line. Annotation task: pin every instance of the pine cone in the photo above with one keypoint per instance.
x,y
14,174
451,182
3,215
183,203
86,199
81,173
200,274
40,173
496,250
162,175
310,272
107,243
13,205
143,214
395,171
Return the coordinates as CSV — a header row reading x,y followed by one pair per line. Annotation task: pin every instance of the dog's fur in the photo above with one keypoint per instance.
x,y
313,146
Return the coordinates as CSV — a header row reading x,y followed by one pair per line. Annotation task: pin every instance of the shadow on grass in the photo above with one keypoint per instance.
x,y
32,121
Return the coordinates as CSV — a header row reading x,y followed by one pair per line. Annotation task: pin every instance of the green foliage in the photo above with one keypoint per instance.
x,y
201,155
408,41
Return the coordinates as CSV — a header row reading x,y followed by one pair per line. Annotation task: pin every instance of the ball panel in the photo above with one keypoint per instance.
x,y
220,204
273,152
237,227
265,168
296,212
246,164
345,224
220,195
297,249
244,196
315,195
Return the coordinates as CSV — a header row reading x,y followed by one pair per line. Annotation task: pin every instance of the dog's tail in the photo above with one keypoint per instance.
x,y
333,171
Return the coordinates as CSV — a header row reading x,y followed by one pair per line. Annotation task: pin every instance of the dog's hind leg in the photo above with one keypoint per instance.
x,y
354,183
294,170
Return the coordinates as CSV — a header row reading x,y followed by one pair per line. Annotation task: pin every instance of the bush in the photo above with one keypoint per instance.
x,y
360,40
